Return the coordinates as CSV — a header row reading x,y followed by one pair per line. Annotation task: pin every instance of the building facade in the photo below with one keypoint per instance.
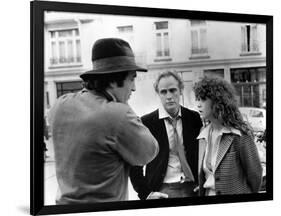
x,y
192,48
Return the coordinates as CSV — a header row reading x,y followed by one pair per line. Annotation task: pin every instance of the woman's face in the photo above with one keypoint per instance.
x,y
205,108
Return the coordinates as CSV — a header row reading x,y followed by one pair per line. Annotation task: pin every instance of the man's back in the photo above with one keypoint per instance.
x,y
92,151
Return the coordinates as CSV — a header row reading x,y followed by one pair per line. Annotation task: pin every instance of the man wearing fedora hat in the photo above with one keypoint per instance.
x,y
97,136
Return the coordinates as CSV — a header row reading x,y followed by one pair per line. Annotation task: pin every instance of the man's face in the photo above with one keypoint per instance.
x,y
122,94
169,93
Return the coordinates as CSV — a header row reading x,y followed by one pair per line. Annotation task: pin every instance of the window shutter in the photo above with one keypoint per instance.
x,y
254,39
194,42
243,39
203,40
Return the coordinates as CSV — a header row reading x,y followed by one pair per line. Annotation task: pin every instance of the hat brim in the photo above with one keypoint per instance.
x,y
113,70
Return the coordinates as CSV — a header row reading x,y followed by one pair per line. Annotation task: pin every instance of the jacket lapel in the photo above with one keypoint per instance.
x,y
186,128
161,132
224,146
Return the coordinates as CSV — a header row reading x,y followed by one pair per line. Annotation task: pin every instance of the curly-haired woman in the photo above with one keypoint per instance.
x,y
228,157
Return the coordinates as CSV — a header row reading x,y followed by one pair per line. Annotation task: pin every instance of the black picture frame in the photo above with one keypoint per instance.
x,y
37,9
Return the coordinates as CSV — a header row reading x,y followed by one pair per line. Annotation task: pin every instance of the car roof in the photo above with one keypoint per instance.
x,y
251,108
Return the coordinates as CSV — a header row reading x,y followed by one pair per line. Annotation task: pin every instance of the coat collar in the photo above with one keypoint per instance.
x,y
164,114
105,94
227,134
224,146
224,130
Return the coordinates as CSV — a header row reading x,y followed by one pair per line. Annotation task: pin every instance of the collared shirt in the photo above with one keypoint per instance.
x,y
209,165
113,97
174,172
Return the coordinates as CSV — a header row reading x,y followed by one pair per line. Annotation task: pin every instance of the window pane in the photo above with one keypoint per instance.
x,y
248,38
214,72
203,40
194,41
76,32
166,44
67,87
65,33
70,57
54,57
62,52
53,34
123,29
161,25
78,51
197,22
158,45
243,39
254,39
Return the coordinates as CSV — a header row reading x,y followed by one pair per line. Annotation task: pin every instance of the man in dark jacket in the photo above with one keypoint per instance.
x,y
174,171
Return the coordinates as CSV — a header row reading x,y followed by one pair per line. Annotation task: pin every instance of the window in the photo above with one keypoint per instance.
x,y
125,29
126,33
214,72
198,37
250,85
249,39
67,87
65,47
162,39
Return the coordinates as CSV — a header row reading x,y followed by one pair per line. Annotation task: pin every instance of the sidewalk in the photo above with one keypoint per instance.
x,y
50,181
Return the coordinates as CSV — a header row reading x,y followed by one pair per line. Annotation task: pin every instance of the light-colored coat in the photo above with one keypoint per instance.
x,y
96,140
238,169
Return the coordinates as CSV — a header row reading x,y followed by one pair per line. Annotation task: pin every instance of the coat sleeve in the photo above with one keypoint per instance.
x,y
251,162
135,143
139,182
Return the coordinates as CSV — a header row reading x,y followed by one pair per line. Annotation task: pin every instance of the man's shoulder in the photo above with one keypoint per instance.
x,y
151,116
186,110
116,108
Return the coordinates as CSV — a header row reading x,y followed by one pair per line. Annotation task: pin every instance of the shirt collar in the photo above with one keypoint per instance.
x,y
111,95
224,130
163,113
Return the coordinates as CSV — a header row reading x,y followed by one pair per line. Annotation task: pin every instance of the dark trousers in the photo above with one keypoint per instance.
x,y
179,190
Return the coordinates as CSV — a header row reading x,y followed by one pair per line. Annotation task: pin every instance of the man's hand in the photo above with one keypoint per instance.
x,y
157,195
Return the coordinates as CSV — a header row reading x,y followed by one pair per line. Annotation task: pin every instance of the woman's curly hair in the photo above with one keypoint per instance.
x,y
224,103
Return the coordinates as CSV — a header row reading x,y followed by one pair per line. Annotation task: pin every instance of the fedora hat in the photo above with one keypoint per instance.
x,y
111,55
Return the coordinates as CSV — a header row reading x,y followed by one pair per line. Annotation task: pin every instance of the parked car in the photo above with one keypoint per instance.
x,y
255,116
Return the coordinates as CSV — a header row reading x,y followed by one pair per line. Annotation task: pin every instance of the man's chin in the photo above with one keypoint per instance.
x,y
172,109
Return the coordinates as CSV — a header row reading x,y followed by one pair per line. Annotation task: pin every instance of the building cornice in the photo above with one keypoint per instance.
x,y
63,73
208,62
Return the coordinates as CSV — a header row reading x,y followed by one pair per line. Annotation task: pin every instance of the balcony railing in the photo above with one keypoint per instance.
x,y
64,60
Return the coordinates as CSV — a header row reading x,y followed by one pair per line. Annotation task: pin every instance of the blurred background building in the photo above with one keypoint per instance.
x,y
192,48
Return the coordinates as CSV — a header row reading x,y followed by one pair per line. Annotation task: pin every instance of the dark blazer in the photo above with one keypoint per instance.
x,y
238,168
155,171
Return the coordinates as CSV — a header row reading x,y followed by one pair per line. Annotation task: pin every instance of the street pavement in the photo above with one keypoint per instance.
x,y
50,181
